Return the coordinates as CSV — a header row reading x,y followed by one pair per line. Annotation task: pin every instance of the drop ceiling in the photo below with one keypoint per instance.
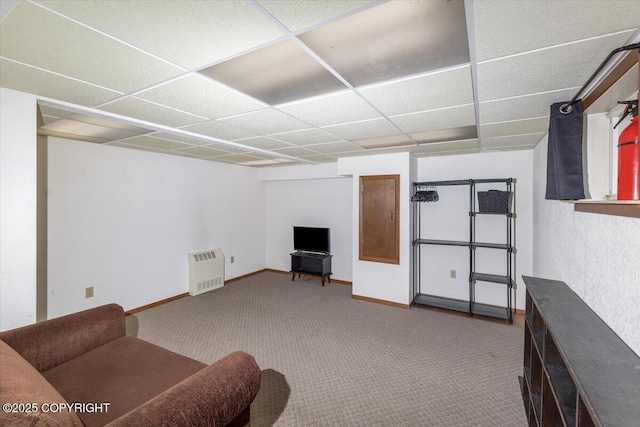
x,y
264,83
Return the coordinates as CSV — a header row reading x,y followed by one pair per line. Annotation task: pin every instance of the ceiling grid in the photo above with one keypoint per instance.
x,y
429,77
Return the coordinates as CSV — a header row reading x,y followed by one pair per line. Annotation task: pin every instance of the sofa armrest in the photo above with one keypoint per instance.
x,y
214,396
52,342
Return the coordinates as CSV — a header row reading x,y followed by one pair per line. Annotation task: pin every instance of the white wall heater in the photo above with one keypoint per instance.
x,y
206,271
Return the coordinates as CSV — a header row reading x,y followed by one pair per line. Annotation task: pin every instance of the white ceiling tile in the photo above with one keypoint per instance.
x,y
366,129
535,24
296,151
523,107
263,142
236,158
353,153
202,152
320,158
220,130
83,129
393,39
181,154
540,124
265,122
72,136
189,33
152,142
544,70
443,135
305,137
194,141
201,96
296,15
378,151
331,109
439,119
512,141
428,92
335,147
140,109
178,138
228,148
268,162
450,147
134,147
31,80
35,36
101,121
384,141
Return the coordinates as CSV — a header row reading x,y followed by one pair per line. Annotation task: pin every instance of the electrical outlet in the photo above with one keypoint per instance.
x,y
232,259
88,292
452,274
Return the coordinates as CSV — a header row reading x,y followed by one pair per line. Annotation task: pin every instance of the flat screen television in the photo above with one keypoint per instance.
x,y
311,239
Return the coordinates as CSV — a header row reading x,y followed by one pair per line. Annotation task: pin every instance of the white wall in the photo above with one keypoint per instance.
x,y
598,256
382,281
448,219
313,203
17,209
123,221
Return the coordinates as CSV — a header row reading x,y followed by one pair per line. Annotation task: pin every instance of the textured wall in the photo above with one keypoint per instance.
x,y
598,256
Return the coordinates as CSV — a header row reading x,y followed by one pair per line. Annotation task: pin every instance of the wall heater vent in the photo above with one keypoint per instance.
x,y
206,271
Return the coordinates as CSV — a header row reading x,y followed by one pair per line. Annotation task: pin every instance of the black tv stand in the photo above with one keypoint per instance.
x,y
311,263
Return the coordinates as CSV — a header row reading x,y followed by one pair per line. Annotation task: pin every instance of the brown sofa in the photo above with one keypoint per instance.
x,y
86,360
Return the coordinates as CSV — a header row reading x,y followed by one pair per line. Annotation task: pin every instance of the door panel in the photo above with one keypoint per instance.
x,y
379,224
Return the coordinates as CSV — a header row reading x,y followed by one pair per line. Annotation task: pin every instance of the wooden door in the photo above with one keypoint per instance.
x,y
379,223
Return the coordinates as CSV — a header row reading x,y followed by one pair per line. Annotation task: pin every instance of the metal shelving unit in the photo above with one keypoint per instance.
x,y
509,248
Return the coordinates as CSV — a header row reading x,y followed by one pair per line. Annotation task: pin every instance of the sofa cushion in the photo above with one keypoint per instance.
x,y
126,373
22,383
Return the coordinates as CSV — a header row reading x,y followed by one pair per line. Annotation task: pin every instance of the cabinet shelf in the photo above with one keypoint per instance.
x,y
585,374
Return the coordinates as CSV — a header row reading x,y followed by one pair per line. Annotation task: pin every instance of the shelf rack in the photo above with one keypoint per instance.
x,y
470,306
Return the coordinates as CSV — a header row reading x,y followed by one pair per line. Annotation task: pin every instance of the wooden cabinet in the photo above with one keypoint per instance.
x,y
577,371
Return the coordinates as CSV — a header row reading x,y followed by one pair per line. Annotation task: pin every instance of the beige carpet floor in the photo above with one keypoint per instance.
x,y
330,360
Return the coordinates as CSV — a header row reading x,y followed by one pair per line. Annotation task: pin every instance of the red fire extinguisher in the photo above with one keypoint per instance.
x,y
629,156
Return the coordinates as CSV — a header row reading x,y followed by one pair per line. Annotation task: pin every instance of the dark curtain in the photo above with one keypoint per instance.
x,y
564,157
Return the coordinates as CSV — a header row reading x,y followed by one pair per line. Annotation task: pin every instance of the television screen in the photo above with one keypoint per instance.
x,y
311,239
